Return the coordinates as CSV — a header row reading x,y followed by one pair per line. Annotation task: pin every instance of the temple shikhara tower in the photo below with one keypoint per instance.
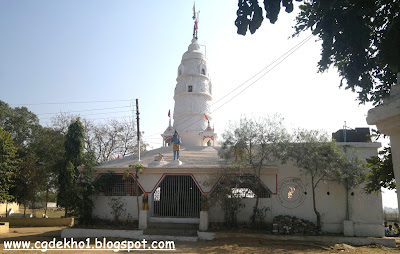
x,y
193,96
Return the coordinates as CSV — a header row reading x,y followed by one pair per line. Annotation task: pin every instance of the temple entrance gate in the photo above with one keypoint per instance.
x,y
177,196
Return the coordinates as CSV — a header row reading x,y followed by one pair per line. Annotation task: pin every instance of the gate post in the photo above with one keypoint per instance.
x,y
143,219
203,221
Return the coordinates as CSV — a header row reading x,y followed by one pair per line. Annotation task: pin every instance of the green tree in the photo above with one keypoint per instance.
x,y
359,38
19,122
107,140
251,145
322,160
69,173
48,150
381,174
352,173
29,182
9,165
25,129
228,179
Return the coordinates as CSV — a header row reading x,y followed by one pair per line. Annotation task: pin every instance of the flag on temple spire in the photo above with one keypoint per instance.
x,y
169,113
206,117
196,21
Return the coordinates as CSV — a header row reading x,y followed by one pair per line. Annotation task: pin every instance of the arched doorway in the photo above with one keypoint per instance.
x,y
177,196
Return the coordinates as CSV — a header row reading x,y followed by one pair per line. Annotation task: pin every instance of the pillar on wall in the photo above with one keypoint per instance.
x,y
386,117
203,221
143,219
348,228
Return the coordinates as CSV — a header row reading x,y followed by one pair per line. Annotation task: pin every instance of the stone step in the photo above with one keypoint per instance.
x,y
171,238
170,232
174,220
157,225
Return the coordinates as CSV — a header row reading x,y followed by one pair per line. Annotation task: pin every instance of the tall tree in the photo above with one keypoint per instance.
x,y
322,160
252,144
359,38
9,165
68,174
29,182
352,173
107,140
19,122
48,150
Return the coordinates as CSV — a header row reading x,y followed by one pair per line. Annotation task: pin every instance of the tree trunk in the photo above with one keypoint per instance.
x,y
314,205
256,205
6,209
34,209
24,210
47,196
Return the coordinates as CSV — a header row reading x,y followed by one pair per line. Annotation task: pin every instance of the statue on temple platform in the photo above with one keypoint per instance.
x,y
176,141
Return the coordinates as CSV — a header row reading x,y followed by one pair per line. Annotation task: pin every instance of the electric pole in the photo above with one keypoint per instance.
x,y
138,129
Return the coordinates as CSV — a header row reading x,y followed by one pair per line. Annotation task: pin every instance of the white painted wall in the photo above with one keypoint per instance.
x,y
216,214
102,209
365,209
13,205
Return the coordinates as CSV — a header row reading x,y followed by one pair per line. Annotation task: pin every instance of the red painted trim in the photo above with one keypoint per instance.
x,y
97,177
215,185
198,185
141,187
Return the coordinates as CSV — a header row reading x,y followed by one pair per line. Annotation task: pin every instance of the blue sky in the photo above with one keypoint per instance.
x,y
84,51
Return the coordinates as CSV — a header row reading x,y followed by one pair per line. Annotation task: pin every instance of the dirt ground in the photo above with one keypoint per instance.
x,y
244,244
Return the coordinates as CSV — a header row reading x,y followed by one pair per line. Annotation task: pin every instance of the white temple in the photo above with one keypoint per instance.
x,y
192,95
175,190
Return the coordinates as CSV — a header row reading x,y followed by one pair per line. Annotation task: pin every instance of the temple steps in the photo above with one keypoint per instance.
x,y
157,225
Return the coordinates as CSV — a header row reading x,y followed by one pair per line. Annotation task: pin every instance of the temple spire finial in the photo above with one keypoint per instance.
x,y
196,20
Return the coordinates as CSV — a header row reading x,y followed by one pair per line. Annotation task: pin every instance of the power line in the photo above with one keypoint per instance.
x,y
277,61
284,56
97,113
273,67
55,113
54,103
103,118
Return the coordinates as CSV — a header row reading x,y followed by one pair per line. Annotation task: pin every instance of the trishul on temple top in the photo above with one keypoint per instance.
x,y
196,21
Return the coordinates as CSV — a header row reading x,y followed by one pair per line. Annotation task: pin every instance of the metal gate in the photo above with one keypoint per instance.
x,y
177,196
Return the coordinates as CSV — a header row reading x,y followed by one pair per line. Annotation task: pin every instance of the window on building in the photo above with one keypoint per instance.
x,y
203,71
116,185
244,187
190,89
